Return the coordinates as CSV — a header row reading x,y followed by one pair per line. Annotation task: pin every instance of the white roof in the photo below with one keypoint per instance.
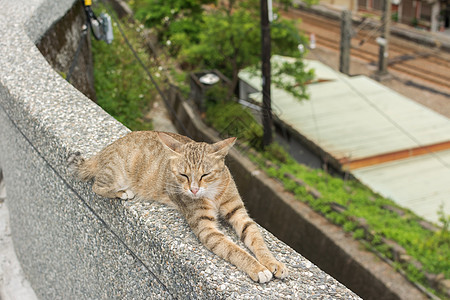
x,y
420,183
357,118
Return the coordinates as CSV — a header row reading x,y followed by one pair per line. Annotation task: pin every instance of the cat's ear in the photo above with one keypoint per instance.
x,y
170,142
221,148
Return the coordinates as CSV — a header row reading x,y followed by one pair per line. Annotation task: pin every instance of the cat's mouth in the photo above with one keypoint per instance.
x,y
194,196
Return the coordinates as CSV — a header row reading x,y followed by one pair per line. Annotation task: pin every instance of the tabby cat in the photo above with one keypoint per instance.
x,y
190,176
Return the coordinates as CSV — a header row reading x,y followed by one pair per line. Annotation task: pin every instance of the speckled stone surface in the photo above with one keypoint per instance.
x,y
73,244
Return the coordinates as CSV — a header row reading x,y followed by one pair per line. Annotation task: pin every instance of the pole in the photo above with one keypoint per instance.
x,y
344,58
266,79
384,40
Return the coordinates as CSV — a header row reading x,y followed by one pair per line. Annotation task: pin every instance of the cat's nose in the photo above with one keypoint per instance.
x,y
194,190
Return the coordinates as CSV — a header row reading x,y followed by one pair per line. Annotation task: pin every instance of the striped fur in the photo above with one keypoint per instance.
x,y
190,176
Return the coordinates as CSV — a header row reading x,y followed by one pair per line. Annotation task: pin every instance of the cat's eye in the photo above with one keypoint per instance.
x,y
184,175
204,175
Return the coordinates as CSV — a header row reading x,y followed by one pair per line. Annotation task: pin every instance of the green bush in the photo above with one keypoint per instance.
x,y
121,85
230,119
207,34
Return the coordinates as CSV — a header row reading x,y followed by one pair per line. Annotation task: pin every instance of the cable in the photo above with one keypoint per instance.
x,y
362,25
368,36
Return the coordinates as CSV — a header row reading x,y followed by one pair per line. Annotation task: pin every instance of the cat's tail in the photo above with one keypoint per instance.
x,y
84,169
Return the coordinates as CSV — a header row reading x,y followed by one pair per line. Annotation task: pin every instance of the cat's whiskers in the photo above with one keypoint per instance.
x,y
212,190
174,189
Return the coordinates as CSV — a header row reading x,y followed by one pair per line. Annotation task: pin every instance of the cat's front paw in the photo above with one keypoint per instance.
x,y
126,195
278,269
264,276
259,273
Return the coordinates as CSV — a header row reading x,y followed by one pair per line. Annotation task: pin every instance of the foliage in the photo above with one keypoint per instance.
x,y
164,13
177,22
445,220
286,38
286,4
121,85
226,36
229,119
300,78
226,42
277,152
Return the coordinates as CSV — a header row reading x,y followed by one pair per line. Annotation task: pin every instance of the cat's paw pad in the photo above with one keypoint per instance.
x,y
264,276
128,194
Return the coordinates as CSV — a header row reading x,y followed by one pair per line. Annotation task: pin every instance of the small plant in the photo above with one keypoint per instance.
x,y
358,234
276,152
444,219
394,16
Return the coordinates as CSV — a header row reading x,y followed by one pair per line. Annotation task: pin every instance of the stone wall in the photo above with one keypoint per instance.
x,y
73,244
66,46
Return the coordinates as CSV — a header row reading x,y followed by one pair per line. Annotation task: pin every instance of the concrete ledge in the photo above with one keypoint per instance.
x,y
73,244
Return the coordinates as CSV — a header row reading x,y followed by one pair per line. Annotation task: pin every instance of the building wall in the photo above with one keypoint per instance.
x,y
411,12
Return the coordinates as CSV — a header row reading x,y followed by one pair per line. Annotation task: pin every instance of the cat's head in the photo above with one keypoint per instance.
x,y
197,168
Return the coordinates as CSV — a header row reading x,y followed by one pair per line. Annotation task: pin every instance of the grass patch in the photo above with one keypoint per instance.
x,y
122,87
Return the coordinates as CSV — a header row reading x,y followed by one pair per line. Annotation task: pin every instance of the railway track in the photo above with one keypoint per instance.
x,y
430,66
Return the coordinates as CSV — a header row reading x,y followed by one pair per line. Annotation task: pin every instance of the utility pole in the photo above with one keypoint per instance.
x,y
383,40
266,77
346,35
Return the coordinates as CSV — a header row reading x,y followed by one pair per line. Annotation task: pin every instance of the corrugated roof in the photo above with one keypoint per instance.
x,y
361,122
420,183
